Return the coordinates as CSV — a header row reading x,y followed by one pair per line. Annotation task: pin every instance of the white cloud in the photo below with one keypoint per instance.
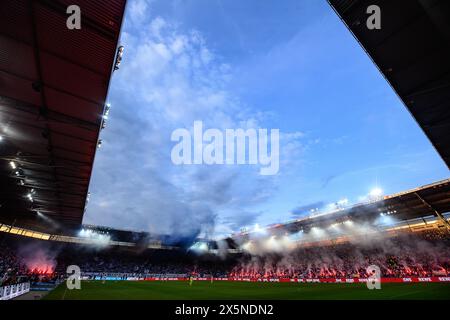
x,y
137,10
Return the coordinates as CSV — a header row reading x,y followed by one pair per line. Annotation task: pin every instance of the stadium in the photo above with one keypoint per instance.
x,y
54,89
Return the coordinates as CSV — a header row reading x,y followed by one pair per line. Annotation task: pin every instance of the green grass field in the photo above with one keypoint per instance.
x,y
204,290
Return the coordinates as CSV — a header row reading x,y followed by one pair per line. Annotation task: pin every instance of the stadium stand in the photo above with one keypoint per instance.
x,y
407,254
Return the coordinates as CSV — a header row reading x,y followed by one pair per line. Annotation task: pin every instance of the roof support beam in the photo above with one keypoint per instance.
x,y
51,114
438,214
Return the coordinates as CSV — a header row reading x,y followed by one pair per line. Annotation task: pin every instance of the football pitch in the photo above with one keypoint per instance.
x,y
220,290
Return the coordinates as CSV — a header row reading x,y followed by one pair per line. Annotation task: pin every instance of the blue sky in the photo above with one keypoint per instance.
x,y
290,65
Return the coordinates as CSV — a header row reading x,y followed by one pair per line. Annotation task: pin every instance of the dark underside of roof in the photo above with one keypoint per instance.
x,y
53,86
412,50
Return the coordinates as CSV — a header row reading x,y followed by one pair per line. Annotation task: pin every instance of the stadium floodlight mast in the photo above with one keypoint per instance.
x,y
258,229
13,164
247,246
199,246
317,233
118,57
376,192
348,223
107,109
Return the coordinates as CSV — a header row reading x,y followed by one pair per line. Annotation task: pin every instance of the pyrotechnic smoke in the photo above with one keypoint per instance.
x,y
261,241
222,248
38,257
98,239
315,252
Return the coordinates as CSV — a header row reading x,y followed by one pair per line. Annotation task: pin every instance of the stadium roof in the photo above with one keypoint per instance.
x,y
429,200
412,50
53,86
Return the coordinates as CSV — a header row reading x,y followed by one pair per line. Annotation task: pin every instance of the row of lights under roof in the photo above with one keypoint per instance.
x,y
388,213
100,141
104,118
32,192
347,222
18,172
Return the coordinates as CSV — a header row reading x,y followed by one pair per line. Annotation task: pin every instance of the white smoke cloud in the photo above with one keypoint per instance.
x,y
168,79
312,253
38,257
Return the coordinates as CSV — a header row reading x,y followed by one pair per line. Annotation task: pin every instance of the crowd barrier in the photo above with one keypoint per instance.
x,y
299,280
15,290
